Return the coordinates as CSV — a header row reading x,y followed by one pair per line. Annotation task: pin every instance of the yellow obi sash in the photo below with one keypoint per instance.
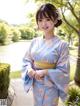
x,y
44,65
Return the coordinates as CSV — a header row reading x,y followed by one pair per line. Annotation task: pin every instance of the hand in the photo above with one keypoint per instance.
x,y
31,73
40,74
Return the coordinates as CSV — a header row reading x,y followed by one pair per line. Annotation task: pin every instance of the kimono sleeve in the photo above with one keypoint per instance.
x,y
60,75
27,64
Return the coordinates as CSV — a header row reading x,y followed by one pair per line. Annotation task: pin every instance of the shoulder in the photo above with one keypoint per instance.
x,y
36,39
63,46
62,43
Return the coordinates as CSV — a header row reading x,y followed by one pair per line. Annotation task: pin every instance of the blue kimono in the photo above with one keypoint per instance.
x,y
47,91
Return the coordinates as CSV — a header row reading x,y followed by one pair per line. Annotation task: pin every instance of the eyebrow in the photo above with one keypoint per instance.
x,y
44,17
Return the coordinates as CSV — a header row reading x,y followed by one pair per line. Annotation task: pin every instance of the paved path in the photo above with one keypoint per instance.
x,y
22,98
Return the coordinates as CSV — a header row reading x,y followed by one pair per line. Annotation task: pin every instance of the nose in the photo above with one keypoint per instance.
x,y
44,23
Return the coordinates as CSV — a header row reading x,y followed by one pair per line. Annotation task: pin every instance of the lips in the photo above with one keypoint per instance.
x,y
45,28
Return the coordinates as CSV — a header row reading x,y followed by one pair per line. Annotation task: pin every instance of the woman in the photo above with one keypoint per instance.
x,y
46,64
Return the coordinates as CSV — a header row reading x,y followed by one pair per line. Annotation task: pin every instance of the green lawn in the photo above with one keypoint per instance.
x,y
73,51
16,74
72,71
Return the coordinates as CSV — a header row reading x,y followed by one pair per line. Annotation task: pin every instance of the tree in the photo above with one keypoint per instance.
x,y
74,8
69,33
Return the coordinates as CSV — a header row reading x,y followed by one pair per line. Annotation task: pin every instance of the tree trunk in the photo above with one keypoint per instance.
x,y
77,73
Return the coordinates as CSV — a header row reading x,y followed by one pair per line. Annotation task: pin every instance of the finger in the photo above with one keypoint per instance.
x,y
31,74
37,77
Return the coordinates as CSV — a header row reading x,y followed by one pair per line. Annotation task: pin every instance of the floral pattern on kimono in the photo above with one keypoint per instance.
x,y
48,90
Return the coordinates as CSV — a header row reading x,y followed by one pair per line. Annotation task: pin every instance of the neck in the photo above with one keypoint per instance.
x,y
49,36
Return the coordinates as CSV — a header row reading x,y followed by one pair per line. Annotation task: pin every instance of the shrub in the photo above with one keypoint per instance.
x,y
3,35
73,97
4,80
16,36
27,33
76,43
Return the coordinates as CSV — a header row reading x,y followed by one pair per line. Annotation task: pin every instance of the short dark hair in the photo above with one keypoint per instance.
x,y
48,10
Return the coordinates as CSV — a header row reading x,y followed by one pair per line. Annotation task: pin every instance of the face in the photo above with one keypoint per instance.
x,y
46,25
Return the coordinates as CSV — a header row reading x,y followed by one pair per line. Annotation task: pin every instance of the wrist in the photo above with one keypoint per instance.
x,y
30,69
31,73
46,72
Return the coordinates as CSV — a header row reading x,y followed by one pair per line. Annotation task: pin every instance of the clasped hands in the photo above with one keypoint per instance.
x,y
38,74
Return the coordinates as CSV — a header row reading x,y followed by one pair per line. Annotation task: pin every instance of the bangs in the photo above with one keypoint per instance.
x,y
44,13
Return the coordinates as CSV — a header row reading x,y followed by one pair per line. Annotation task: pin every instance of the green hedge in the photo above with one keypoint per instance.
x,y
4,80
73,96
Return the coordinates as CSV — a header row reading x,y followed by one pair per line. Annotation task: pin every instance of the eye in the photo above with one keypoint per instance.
x,y
48,19
39,20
